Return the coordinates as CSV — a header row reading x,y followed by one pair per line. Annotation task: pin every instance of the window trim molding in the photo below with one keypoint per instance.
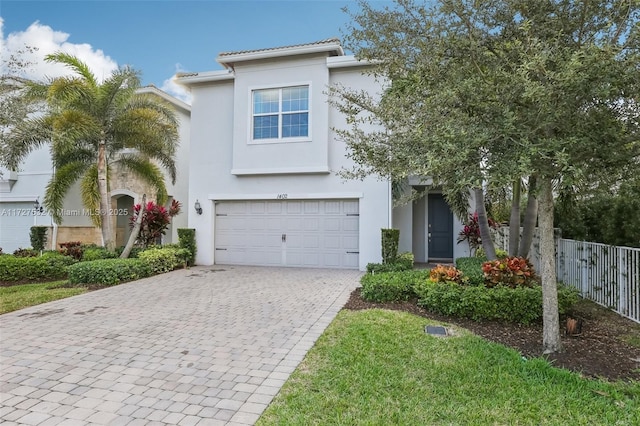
x,y
297,139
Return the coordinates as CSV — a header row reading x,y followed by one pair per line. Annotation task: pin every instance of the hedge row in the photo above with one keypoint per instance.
x,y
115,271
521,305
108,271
391,286
50,265
474,300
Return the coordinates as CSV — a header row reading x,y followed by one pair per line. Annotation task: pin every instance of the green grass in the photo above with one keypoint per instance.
x,y
25,295
378,367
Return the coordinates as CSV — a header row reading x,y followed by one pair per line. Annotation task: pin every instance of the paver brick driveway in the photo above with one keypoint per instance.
x,y
208,345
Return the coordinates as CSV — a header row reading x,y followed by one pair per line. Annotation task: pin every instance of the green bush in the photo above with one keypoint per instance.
x,y
50,266
405,259
38,237
108,271
471,268
96,253
164,259
133,254
404,262
500,254
522,305
20,252
390,240
391,286
187,238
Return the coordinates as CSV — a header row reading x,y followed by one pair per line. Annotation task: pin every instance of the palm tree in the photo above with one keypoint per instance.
x,y
94,128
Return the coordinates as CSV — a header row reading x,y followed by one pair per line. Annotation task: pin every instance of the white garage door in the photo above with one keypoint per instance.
x,y
16,220
299,233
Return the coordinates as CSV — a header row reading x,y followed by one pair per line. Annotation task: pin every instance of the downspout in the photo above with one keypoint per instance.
x,y
390,204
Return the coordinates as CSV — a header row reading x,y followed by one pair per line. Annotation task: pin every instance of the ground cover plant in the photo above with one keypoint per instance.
x,y
379,367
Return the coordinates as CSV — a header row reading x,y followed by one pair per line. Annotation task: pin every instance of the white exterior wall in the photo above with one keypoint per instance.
x,y
301,170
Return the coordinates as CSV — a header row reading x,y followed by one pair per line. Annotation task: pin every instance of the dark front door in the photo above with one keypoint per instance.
x,y
440,228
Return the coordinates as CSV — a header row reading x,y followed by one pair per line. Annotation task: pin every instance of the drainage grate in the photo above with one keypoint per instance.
x,y
436,330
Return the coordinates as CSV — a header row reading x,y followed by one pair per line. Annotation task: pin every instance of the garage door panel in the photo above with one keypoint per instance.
x,y
293,207
319,233
350,224
332,224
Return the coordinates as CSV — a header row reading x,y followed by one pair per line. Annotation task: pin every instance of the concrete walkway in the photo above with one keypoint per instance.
x,y
204,346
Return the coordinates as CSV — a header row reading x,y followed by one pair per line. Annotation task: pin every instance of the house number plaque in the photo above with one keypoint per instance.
x,y
282,196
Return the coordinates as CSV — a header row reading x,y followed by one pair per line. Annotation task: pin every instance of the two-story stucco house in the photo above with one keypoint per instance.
x,y
264,162
20,189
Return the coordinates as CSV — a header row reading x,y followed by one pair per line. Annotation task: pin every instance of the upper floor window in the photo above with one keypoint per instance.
x,y
281,113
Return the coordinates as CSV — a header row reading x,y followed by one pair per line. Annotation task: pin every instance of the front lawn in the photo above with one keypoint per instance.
x,y
22,296
379,367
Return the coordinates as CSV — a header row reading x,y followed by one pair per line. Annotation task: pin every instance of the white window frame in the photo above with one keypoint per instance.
x,y
279,139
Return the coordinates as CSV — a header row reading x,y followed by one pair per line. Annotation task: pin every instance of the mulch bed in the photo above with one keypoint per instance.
x,y
598,352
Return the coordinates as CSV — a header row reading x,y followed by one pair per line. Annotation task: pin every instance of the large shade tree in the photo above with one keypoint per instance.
x,y
93,128
495,91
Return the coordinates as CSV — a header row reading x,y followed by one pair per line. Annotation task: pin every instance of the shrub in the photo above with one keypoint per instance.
x,y
95,253
521,305
20,252
108,271
471,232
49,266
471,268
72,248
164,259
391,286
38,237
187,238
445,273
155,221
511,272
390,239
500,254
405,259
133,254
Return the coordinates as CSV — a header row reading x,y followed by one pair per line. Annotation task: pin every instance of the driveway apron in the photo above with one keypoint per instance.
x,y
205,346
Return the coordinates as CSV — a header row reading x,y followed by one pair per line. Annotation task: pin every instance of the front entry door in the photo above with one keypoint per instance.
x,y
440,228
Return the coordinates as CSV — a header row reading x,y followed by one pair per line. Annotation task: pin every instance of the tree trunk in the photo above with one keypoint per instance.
x,y
483,223
530,217
514,219
550,322
105,198
135,231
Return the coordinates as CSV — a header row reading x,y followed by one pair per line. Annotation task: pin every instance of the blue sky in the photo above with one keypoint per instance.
x,y
159,38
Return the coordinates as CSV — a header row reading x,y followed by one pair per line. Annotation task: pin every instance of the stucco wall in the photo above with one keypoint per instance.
x,y
218,145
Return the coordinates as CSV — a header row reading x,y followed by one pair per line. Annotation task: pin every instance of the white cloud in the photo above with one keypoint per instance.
x,y
174,89
47,41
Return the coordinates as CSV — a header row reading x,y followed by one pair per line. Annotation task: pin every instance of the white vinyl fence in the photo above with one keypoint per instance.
x,y
608,275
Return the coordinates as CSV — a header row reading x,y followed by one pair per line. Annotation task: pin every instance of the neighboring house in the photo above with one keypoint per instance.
x,y
264,162
19,190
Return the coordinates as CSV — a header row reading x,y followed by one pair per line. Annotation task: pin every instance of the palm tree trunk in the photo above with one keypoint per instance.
x,y
136,229
550,322
530,217
105,198
514,219
483,223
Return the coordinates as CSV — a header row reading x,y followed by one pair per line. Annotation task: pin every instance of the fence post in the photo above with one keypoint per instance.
x,y
622,288
584,276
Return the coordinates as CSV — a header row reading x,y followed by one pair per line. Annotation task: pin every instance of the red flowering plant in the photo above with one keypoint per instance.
x,y
471,232
511,271
155,221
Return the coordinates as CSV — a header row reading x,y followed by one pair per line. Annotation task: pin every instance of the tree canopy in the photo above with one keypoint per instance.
x,y
93,127
487,92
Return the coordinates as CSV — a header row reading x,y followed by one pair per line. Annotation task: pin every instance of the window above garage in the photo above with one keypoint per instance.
x,y
280,114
